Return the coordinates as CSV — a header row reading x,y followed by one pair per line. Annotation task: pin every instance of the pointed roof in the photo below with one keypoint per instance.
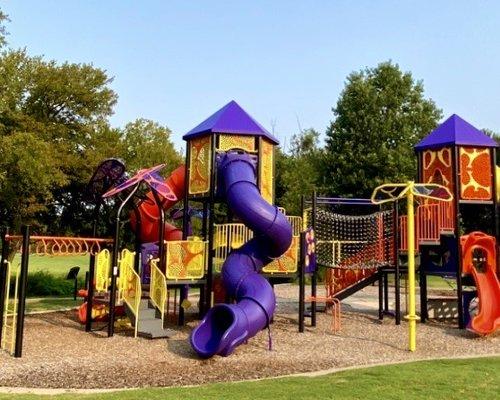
x,y
455,131
230,119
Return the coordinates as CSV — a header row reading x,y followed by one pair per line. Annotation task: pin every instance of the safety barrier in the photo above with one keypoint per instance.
x,y
102,270
186,259
130,285
432,219
158,289
226,238
10,311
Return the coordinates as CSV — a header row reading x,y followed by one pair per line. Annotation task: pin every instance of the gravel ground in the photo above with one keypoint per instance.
x,y
59,354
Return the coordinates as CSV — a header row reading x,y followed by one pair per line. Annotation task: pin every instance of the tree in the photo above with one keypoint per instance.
x,y
380,115
3,30
147,143
297,172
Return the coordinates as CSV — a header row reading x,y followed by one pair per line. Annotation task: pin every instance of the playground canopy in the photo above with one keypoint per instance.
x,y
455,131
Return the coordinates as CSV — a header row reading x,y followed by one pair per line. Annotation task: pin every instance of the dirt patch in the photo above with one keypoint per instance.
x,y
59,354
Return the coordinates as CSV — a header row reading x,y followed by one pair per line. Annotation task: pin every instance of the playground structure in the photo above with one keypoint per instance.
x,y
246,244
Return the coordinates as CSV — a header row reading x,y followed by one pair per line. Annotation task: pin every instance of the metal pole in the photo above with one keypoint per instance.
x,y
314,277
90,288
397,276
302,281
161,233
138,242
211,221
187,172
458,248
412,317
114,264
3,276
496,211
23,281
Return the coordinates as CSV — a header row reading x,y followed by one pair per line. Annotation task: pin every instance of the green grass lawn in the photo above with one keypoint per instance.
x,y
448,379
56,265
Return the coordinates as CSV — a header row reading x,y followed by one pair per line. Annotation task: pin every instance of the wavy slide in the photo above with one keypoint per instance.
x,y
479,252
226,326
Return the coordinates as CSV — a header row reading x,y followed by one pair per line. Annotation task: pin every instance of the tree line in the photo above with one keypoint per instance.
x,y
55,129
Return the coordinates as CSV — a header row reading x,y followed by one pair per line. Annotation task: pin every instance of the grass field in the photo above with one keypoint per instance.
x,y
445,379
56,265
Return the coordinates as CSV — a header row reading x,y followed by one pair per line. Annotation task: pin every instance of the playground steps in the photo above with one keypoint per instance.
x,y
149,324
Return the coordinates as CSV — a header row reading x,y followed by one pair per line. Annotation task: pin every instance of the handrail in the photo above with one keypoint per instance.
x,y
10,313
130,285
158,289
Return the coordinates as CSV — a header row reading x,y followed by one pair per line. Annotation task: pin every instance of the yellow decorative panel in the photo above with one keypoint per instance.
x,y
200,162
287,263
186,259
241,142
267,171
102,270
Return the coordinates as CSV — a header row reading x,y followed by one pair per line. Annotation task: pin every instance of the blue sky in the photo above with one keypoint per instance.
x,y
177,62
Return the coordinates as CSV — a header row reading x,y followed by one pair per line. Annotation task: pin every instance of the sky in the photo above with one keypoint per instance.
x,y
285,62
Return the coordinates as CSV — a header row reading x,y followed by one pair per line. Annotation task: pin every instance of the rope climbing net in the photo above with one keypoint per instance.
x,y
354,241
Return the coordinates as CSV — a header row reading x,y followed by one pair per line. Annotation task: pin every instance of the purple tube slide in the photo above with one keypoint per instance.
x,y
226,326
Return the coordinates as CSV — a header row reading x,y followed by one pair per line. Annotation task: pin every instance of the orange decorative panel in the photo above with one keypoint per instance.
x,y
475,174
200,161
267,171
437,167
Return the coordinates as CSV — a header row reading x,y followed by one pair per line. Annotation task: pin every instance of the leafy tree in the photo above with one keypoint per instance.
x,y
298,171
54,130
380,115
3,31
147,143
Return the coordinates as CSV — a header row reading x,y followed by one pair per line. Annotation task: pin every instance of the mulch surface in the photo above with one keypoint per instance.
x,y
59,354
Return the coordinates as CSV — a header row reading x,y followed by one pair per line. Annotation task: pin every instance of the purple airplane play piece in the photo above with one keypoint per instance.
x,y
226,326
230,119
455,131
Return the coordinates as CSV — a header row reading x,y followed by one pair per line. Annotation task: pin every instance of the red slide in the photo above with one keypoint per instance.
x,y
479,260
150,215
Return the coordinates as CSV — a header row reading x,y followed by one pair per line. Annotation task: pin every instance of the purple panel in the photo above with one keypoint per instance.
x,y
148,251
230,119
455,131
309,251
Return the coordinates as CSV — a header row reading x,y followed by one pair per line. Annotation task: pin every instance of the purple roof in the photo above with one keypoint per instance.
x,y
455,131
230,119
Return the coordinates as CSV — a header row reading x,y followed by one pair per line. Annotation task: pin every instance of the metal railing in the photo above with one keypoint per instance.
x,y
129,285
158,289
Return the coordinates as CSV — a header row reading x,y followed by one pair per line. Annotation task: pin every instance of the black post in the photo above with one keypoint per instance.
x,y
187,172
21,291
211,222
423,290
397,276
302,280
386,292
3,276
161,233
314,277
137,241
114,264
496,211
380,295
90,287
455,158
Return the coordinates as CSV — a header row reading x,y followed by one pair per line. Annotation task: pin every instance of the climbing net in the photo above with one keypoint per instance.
x,y
354,241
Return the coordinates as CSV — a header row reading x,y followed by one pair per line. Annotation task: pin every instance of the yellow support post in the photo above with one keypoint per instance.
x,y
412,313
392,192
